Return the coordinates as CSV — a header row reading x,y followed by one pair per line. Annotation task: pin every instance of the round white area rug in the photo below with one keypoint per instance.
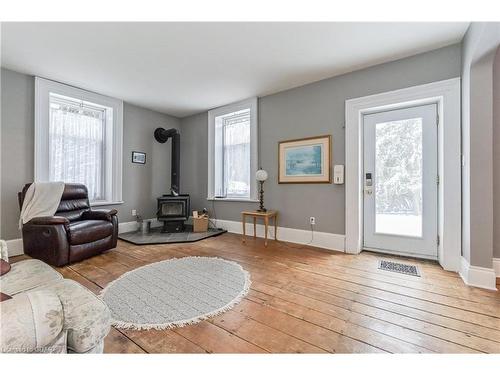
x,y
175,292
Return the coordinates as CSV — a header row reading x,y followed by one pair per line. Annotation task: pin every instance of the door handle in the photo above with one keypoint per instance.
x,y
368,183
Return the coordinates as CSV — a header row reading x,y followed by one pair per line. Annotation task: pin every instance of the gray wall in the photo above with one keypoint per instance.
x,y
496,156
309,110
16,145
314,109
141,183
479,48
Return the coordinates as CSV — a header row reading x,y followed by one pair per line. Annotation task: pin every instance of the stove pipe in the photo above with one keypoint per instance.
x,y
162,135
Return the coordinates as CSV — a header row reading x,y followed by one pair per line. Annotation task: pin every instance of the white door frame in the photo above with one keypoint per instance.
x,y
446,94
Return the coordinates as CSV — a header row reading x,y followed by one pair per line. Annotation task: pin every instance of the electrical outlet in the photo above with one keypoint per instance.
x,y
312,220
134,212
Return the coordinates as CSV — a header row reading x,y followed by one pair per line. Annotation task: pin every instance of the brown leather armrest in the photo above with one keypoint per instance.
x,y
49,220
4,267
99,214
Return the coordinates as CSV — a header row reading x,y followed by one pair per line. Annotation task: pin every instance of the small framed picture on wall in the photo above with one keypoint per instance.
x,y
138,157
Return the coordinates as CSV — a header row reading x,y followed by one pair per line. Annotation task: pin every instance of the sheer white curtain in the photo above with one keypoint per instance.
x,y
237,157
233,130
76,145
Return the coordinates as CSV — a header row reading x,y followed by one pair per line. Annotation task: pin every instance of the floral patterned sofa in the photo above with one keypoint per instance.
x,y
49,314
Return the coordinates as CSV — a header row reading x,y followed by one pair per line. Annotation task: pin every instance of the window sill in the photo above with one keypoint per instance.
x,y
234,200
102,203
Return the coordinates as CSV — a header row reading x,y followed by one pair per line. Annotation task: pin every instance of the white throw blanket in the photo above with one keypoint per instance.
x,y
41,199
4,254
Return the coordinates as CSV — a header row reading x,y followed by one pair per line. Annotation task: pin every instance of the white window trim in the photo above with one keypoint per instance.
x,y
212,114
446,94
43,88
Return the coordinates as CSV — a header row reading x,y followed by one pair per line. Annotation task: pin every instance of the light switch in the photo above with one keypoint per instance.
x,y
338,174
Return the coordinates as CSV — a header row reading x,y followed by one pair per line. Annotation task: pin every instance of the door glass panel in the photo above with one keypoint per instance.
x,y
398,177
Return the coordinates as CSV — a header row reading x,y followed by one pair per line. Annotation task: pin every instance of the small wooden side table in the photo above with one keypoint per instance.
x,y
264,215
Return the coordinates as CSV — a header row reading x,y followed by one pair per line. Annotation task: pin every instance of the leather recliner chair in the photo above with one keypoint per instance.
x,y
74,233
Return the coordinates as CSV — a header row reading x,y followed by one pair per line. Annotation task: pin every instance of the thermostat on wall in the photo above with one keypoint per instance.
x,y
338,174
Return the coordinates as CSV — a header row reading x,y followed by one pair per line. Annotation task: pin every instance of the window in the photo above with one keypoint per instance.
x,y
76,143
232,151
78,139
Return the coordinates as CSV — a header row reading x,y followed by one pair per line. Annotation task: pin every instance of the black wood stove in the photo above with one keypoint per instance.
x,y
173,209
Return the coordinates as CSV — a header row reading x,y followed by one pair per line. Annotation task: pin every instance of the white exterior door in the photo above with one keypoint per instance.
x,y
401,181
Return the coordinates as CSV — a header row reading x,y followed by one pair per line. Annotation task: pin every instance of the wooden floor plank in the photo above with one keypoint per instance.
x,y
117,342
405,311
306,300
311,285
423,302
303,330
395,305
217,340
367,261
487,347
325,305
430,329
268,338
166,341
344,327
463,299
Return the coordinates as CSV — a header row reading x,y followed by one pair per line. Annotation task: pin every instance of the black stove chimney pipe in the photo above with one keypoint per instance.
x,y
162,135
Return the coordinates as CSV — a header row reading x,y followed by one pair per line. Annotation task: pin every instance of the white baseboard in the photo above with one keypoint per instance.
x,y
496,266
480,277
131,226
323,240
15,247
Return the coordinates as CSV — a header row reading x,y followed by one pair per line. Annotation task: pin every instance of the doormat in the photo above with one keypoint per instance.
x,y
406,269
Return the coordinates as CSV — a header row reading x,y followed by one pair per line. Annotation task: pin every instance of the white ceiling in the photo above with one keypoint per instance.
x,y
185,68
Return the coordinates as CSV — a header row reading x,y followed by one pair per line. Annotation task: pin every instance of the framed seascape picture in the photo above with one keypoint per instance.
x,y
138,157
305,161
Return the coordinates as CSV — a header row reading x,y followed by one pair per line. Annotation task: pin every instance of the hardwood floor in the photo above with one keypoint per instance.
x,y
305,300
